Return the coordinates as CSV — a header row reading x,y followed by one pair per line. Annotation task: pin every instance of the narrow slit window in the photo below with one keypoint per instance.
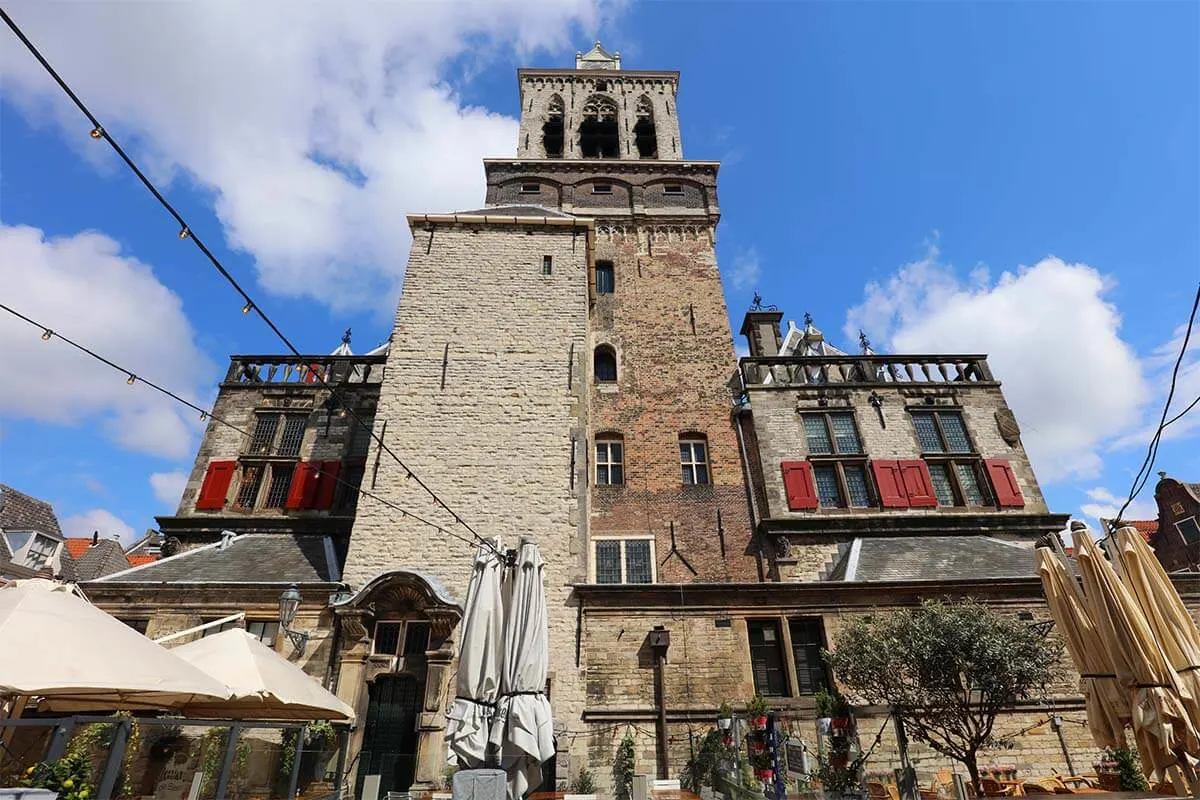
x,y
601,188
251,481
604,364
553,132
605,278
547,265
530,188
693,460
644,134
610,461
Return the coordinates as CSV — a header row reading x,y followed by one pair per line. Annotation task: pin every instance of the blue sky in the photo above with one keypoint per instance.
x,y
1016,178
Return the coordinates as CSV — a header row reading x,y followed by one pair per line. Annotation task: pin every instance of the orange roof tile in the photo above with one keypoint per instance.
x,y
1146,527
141,558
78,547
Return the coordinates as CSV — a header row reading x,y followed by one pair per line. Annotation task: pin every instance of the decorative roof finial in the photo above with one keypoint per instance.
x,y
864,342
807,318
757,304
346,337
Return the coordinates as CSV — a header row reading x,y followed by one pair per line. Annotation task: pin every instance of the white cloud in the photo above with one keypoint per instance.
x,y
83,287
745,270
81,526
1105,505
1161,364
168,487
1051,337
316,130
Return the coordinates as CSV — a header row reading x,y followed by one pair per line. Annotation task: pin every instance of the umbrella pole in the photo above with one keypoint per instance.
x,y
294,780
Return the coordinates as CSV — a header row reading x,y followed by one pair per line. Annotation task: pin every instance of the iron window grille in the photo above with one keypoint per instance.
x,y
247,496
281,483
955,469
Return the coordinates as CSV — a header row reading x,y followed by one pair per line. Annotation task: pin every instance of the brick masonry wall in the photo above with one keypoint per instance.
x,y
624,87
482,398
780,436
708,665
667,322
237,405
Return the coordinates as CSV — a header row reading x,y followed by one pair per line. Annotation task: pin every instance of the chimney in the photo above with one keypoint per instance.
x,y
95,538
761,329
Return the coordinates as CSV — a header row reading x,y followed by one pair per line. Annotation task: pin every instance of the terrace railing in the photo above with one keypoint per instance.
x,y
315,370
870,370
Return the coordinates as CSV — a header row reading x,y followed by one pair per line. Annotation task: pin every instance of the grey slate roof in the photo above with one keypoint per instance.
x,y
249,558
103,558
917,558
20,512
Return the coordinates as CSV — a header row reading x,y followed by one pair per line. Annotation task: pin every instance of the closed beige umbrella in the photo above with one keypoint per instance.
x,y
265,685
1172,624
56,645
1161,724
1107,704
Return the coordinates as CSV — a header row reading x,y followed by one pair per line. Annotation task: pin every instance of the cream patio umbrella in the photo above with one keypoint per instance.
x,y
479,656
1172,624
1161,724
523,726
1107,704
55,644
265,685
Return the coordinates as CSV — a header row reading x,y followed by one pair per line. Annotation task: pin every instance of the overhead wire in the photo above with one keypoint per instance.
x,y
187,232
133,378
1143,474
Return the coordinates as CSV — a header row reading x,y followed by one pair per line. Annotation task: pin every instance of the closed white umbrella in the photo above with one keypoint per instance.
x,y
479,655
265,685
57,645
524,728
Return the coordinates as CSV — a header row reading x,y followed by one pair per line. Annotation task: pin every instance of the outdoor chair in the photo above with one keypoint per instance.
x,y
930,794
876,790
993,788
1043,786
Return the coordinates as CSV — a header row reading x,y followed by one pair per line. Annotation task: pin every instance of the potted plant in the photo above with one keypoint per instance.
x,y
725,716
834,707
756,709
583,787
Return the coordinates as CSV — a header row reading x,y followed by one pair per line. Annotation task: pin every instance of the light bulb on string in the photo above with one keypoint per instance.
x,y
97,132
46,334
132,379
203,416
184,232
246,308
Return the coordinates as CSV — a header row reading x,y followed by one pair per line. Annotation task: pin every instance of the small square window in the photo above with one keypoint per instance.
x,y
601,86
672,188
601,188
610,462
547,264
531,188
693,458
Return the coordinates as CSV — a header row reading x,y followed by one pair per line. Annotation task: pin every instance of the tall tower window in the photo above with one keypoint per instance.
x,y
552,131
644,135
693,458
605,281
604,364
598,136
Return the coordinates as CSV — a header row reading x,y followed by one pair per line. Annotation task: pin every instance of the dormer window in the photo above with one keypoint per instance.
x,y
31,549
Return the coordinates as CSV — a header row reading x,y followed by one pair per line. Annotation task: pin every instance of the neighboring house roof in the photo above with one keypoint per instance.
x,y
1146,527
138,559
20,512
106,557
935,558
257,558
78,546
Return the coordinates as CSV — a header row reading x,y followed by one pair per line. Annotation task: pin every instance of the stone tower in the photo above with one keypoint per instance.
x,y
559,367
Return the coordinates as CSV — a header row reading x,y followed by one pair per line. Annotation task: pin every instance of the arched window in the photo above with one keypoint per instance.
x,y
644,135
604,364
552,131
598,131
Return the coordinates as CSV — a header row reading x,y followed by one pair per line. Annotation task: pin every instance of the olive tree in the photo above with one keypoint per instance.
x,y
946,670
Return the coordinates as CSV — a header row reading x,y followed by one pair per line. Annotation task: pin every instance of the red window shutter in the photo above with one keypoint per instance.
x,y
890,483
1004,481
311,373
799,486
304,480
917,484
327,483
215,486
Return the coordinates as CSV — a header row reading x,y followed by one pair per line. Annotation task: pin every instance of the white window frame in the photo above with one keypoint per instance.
x,y
694,439
623,539
20,555
608,439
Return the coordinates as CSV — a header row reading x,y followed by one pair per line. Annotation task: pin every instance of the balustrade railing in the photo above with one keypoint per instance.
x,y
315,370
864,370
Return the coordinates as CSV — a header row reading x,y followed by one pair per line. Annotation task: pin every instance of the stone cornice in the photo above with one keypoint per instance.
x,y
901,524
604,74
599,166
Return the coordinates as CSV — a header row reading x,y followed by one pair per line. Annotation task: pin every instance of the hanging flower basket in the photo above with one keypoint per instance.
x,y
725,723
839,724
766,774
760,722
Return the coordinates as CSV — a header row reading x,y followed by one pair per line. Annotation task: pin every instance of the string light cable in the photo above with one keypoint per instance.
x,y
186,232
1147,467
133,378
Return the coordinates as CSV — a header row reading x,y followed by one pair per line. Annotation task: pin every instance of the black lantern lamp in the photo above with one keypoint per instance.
x,y
289,602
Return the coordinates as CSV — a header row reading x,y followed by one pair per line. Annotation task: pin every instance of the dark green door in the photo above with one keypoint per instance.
x,y
390,737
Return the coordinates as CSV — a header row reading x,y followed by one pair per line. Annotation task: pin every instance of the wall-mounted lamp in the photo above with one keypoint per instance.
x,y
876,401
289,602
